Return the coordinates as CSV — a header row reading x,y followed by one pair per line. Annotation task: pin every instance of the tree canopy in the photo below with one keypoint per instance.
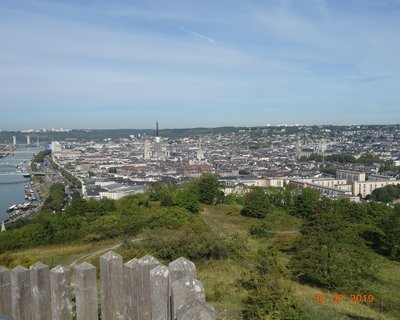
x,y
257,203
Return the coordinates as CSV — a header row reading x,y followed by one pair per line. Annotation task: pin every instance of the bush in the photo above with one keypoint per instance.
x,y
195,241
269,296
257,203
260,230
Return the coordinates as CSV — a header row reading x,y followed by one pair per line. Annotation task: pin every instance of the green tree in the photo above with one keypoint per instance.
x,y
391,225
330,254
284,198
162,192
188,197
210,189
155,191
306,202
257,203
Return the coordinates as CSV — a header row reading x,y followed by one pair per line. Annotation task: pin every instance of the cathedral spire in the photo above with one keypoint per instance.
x,y
157,131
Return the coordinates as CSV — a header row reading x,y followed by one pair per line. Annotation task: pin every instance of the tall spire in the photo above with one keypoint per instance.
x,y
157,131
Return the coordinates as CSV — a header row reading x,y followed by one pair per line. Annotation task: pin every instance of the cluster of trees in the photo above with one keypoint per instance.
x,y
207,190
386,194
259,202
90,220
328,169
344,158
386,166
332,251
71,178
55,199
338,238
39,157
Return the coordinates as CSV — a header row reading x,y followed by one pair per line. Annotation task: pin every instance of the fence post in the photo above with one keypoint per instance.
x,y
184,291
111,278
40,290
86,292
196,310
5,291
131,285
60,293
21,293
146,264
160,293
182,267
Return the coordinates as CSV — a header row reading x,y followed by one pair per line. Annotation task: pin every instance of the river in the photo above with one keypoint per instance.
x,y
12,185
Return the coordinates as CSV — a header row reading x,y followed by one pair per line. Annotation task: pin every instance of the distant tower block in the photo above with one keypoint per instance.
x,y
14,140
37,141
200,154
28,140
3,227
147,151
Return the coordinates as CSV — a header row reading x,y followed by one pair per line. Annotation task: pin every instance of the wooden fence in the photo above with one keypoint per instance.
x,y
141,289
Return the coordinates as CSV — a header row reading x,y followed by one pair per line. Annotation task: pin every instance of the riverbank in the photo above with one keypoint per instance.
x,y
12,183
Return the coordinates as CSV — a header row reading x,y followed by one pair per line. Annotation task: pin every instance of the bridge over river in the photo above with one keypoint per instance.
x,y
23,174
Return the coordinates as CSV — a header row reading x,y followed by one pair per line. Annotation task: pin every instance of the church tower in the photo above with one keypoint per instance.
x,y
157,133
157,145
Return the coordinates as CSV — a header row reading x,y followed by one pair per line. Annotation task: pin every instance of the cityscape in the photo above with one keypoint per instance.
x,y
199,160
341,162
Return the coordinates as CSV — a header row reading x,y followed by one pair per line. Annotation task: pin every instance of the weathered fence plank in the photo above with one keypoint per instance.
x,y
5,291
146,264
196,310
40,291
60,285
131,286
160,293
21,293
111,278
182,267
184,291
86,292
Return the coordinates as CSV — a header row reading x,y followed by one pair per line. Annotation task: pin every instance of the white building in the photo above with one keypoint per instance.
x,y
350,175
56,149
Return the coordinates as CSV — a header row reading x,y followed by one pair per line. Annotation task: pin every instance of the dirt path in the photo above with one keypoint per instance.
x,y
98,252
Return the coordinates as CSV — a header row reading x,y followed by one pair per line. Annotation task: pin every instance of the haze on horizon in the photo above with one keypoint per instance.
x,y
124,64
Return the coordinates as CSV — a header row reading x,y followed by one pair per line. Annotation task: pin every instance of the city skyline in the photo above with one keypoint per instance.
x,y
124,64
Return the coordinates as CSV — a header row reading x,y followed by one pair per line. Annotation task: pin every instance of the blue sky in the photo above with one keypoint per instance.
x,y
124,64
